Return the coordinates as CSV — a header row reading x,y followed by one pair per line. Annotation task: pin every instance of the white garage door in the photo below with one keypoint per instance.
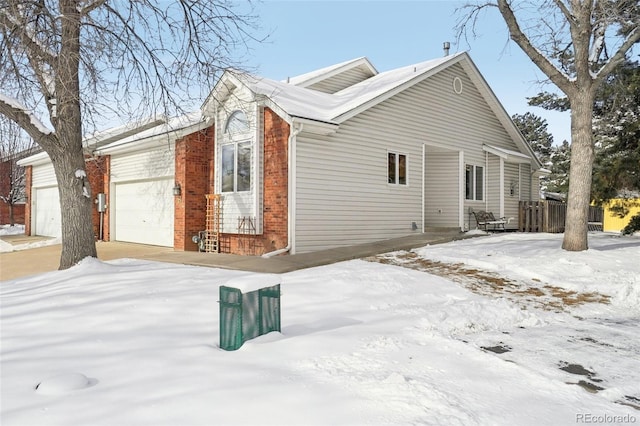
x,y
47,212
144,212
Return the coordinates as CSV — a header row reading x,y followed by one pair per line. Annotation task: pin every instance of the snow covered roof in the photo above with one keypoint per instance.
x,y
121,137
335,108
104,137
307,79
507,154
178,125
294,101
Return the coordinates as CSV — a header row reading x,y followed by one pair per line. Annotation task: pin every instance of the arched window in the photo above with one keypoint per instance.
x,y
236,154
237,123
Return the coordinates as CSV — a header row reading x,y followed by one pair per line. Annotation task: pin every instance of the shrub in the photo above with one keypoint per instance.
x,y
632,226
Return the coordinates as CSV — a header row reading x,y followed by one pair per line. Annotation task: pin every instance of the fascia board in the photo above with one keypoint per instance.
x,y
508,155
316,127
35,160
220,92
151,141
499,111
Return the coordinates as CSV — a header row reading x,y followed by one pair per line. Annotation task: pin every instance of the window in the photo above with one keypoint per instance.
x,y
397,168
236,167
237,123
474,182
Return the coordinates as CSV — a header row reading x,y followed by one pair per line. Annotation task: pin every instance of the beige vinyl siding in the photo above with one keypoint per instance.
x,y
442,179
492,199
511,175
343,197
341,81
528,190
142,165
43,175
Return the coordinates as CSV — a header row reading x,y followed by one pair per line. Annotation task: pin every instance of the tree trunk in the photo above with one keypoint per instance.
x,y
78,240
582,156
12,222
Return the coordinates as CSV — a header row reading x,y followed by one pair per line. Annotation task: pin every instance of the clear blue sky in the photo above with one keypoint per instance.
x,y
307,35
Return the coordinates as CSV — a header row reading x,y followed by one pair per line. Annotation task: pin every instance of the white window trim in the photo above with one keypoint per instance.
x,y
235,166
398,154
473,184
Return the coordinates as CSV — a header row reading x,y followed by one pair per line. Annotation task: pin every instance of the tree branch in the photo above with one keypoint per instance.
x,y
90,6
559,78
619,56
15,111
29,42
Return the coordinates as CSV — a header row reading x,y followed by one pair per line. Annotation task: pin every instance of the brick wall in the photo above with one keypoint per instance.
x,y
98,173
5,213
5,188
276,174
275,194
193,172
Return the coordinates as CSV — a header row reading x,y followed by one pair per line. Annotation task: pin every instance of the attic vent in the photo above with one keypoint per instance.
x,y
457,85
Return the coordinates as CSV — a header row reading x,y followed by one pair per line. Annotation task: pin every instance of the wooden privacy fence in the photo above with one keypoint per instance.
x,y
549,216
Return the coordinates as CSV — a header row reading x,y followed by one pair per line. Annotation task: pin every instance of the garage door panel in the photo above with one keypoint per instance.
x,y
47,212
144,212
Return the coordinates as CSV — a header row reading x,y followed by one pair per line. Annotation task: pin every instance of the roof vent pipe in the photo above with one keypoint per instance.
x,y
446,46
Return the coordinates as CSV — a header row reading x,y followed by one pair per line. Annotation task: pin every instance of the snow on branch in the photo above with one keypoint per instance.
x,y
89,6
619,56
34,46
16,111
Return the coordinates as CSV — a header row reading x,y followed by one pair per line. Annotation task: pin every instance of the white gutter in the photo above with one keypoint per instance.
x,y
291,193
422,197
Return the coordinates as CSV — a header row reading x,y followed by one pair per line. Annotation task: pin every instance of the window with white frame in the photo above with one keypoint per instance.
x,y
235,154
474,182
397,168
236,167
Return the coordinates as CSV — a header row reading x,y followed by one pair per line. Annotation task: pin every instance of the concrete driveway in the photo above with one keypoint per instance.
x,y
44,259
23,263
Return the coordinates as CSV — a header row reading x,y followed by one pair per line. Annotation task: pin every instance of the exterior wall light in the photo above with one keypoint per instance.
x,y
177,191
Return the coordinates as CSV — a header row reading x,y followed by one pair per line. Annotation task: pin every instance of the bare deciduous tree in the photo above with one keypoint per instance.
x,y
13,146
576,44
67,64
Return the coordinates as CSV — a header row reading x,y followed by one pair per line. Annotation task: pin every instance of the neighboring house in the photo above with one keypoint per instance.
x,y
340,156
12,187
629,205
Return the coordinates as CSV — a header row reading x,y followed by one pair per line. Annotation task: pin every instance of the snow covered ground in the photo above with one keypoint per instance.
x,y
547,337
18,230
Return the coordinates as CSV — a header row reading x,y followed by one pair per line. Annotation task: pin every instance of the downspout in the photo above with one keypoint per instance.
x,y
291,202
423,184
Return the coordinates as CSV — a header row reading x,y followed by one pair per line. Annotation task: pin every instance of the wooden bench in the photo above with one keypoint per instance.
x,y
486,219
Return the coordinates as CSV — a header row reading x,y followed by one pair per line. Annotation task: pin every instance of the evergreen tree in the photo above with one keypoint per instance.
x,y
558,180
616,129
534,130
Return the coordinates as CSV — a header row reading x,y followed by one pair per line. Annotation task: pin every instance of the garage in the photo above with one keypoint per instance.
x,y
144,212
47,212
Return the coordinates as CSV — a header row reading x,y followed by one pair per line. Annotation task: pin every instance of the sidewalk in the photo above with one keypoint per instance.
x,y
44,259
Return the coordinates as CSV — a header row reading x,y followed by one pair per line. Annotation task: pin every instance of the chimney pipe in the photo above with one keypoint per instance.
x,y
446,46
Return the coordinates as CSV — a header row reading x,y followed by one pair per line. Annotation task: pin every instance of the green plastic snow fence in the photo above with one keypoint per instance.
x,y
249,307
